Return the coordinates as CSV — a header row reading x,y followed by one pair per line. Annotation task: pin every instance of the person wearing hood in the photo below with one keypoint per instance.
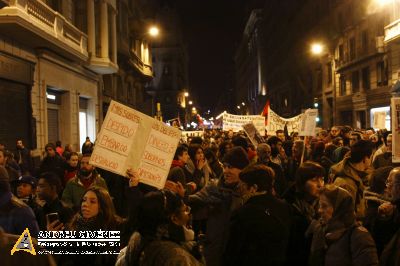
x,y
221,197
260,229
337,237
351,173
84,179
52,162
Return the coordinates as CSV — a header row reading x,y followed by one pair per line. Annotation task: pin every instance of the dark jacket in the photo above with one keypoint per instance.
x,y
24,160
64,213
303,212
16,216
259,232
221,200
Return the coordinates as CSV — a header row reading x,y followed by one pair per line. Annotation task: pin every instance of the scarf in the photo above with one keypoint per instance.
x,y
82,224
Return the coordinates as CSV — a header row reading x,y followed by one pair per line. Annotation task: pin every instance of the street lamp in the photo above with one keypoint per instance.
x,y
243,104
154,31
317,48
190,102
238,107
186,94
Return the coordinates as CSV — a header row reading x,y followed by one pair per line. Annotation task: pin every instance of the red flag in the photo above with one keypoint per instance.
x,y
265,112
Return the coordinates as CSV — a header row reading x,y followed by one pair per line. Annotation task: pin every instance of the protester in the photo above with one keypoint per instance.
x,y
23,158
52,162
71,167
259,230
337,238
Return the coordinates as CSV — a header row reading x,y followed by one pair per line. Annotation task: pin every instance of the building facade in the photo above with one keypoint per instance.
x,y
56,59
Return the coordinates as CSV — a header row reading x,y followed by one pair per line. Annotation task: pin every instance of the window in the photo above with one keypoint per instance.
x,y
329,73
341,52
381,74
366,83
342,85
352,48
355,81
364,41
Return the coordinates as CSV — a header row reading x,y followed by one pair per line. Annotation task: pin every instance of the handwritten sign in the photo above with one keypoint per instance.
x,y
252,134
130,139
235,122
276,122
308,122
395,107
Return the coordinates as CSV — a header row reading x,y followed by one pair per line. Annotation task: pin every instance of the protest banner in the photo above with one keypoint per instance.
x,y
395,107
379,120
187,134
276,122
130,139
235,122
308,123
253,134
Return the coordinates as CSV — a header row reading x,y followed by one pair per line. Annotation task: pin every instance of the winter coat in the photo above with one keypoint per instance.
x,y
221,200
74,190
391,253
259,232
54,164
347,177
16,216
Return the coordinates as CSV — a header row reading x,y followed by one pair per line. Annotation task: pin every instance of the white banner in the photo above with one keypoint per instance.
x,y
276,122
308,123
187,134
235,122
130,139
395,107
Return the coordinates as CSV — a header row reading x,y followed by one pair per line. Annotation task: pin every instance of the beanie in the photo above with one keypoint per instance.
x,y
236,157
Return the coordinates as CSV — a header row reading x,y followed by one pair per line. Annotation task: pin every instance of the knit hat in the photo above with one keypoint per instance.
x,y
50,145
4,180
27,179
236,157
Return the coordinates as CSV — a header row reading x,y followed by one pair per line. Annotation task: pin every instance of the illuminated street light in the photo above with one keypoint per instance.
x,y
383,2
317,48
194,109
186,94
190,102
154,31
243,104
238,107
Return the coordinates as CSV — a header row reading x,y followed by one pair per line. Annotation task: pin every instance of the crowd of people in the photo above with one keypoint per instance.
x,y
332,199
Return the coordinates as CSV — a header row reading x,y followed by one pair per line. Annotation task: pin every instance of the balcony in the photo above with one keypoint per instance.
x,y
36,25
392,31
145,69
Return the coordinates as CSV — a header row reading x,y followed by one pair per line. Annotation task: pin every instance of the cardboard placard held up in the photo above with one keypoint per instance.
x,y
131,139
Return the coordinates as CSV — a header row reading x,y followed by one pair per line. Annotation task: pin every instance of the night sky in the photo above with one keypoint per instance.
x,y
212,30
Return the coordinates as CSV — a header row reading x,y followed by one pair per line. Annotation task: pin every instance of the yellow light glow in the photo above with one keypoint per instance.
x,y
190,102
186,94
154,31
383,2
317,48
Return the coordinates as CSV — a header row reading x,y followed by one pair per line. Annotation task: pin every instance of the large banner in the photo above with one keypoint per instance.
x,y
276,122
395,107
187,134
130,139
308,123
235,122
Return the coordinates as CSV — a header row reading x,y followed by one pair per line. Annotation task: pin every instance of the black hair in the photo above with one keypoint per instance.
x,y
306,171
360,150
273,140
260,175
179,151
52,179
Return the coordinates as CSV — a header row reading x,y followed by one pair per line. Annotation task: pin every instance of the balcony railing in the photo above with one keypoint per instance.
x,y
145,69
47,27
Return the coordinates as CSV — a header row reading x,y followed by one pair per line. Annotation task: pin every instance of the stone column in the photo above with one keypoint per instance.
x,y
104,29
91,28
114,36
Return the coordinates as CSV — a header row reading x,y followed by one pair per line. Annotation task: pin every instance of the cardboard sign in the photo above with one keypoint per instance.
x,y
276,122
308,123
235,122
252,134
130,139
395,107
